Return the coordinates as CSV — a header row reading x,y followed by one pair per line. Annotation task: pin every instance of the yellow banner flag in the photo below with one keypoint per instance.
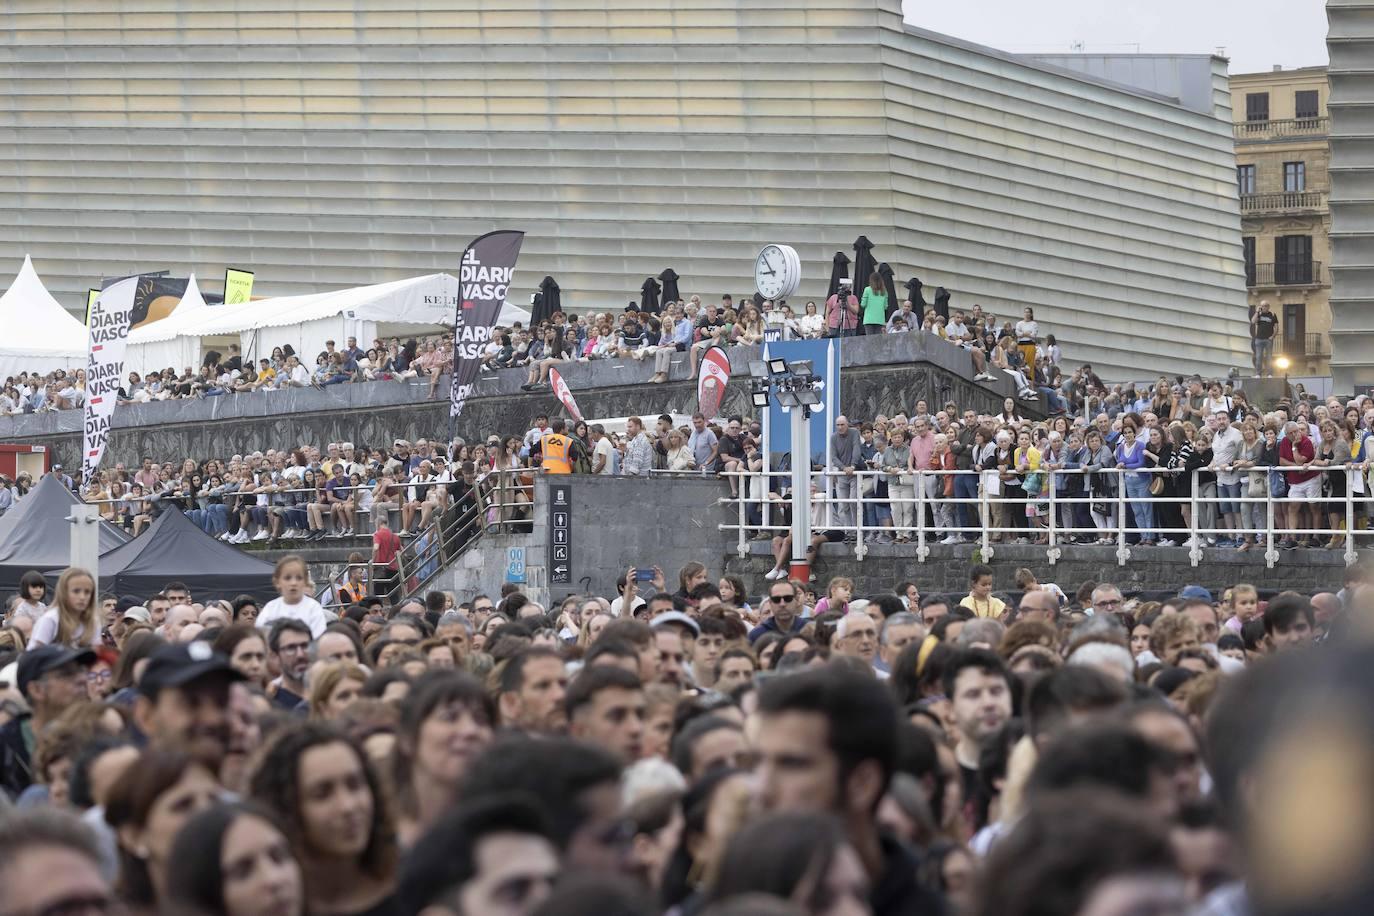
x,y
238,286
91,296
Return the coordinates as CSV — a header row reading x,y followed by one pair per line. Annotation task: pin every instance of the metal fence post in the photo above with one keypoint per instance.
x,y
1123,553
922,551
984,515
743,546
1351,556
1194,542
1052,554
1271,552
860,548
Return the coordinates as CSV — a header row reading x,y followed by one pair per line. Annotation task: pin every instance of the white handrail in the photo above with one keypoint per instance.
x,y
1053,531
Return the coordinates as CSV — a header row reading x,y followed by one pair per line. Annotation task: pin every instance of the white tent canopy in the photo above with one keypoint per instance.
x,y
39,334
306,322
161,345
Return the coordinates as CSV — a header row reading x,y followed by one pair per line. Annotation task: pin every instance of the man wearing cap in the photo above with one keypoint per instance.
x,y
134,614
183,701
51,678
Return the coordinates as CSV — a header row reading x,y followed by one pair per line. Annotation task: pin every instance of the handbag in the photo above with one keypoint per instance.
x,y
1035,483
1278,484
1156,485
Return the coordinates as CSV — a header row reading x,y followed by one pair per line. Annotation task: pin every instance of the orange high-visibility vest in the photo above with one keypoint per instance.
x,y
557,452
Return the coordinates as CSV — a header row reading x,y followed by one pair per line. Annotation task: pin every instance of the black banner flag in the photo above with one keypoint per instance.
x,y
484,279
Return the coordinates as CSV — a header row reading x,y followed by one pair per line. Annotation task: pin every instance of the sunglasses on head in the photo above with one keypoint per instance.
x,y
782,599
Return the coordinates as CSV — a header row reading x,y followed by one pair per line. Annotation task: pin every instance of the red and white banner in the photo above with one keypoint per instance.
x,y
565,395
715,375
111,315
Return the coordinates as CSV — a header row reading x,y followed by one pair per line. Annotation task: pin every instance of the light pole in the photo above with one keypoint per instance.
x,y
796,388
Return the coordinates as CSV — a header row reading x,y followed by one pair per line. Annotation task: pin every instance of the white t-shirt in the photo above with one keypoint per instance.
x,y
31,611
307,610
603,450
45,632
1027,330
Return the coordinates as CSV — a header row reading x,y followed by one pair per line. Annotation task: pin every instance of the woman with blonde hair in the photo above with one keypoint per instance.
x,y
74,618
333,689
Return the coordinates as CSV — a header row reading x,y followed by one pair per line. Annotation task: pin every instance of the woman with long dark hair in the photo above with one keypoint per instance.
x,y
445,722
335,815
147,806
235,860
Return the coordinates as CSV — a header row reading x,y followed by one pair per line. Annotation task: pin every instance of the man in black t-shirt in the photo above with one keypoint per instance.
x,y
1263,323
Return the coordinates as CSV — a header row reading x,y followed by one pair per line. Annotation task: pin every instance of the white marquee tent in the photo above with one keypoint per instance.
x,y
305,322
39,334
163,345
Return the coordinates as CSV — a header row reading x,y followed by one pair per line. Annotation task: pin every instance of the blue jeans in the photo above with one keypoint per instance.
x,y
1229,493
1138,492
1262,350
966,487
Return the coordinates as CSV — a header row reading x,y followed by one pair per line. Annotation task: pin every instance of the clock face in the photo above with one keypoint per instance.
x,y
777,272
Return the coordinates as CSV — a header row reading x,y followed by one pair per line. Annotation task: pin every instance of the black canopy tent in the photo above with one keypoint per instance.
x,y
670,293
174,548
648,296
865,265
36,535
890,287
839,270
548,300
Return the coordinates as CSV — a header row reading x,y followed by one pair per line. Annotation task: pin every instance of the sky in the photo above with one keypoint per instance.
x,y
1256,34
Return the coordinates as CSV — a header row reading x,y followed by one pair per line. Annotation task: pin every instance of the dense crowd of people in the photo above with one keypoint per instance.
x,y
685,326
1159,464
683,747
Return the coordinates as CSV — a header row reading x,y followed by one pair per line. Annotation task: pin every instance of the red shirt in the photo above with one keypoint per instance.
x,y
1306,453
385,546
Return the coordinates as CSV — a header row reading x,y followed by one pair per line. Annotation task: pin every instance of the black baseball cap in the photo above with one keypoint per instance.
x,y
35,663
179,665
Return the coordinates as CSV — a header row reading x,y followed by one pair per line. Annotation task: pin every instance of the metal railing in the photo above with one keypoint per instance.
x,y
1284,273
1095,512
1282,201
1282,128
1311,345
503,500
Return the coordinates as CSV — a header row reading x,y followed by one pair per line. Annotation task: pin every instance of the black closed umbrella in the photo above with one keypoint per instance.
x,y
889,284
942,302
670,278
648,298
547,301
839,270
864,264
918,300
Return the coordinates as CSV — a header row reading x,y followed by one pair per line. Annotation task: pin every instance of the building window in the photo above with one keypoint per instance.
x,y
1245,178
1257,106
1305,104
1294,330
1293,259
1248,249
1295,176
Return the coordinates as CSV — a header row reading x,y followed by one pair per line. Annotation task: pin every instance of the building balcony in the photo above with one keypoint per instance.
x,y
1282,202
1312,345
1283,274
1286,129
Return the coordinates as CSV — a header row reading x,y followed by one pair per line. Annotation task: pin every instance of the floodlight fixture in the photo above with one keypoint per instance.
x,y
760,398
777,367
788,398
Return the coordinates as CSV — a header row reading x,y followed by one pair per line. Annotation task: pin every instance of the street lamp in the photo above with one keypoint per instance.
x,y
796,387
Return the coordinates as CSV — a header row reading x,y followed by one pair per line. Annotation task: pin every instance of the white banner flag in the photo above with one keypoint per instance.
x,y
109,333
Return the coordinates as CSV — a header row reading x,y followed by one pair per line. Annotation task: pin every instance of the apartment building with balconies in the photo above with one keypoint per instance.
x,y
1283,155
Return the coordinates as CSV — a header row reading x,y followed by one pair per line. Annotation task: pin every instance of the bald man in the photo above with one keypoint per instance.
x,y
1038,605
1325,607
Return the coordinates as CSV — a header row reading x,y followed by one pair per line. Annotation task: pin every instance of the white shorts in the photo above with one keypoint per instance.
x,y
1307,491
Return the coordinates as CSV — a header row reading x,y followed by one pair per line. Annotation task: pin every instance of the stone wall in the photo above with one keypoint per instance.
x,y
883,374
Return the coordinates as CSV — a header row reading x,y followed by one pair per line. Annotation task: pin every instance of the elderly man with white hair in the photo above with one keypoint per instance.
x,y
856,635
